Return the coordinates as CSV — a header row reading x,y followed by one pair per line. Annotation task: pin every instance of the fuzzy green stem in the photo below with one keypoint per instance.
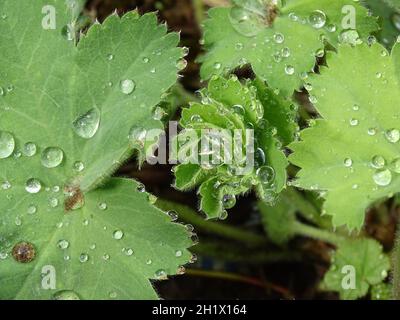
x,y
198,7
315,233
190,216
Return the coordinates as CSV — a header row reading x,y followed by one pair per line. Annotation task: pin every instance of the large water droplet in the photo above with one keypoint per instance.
x,y
7,144
160,274
395,165
127,86
382,177
348,162
84,257
317,19
52,157
378,162
228,201
266,174
392,135
87,125
24,252
66,295
33,185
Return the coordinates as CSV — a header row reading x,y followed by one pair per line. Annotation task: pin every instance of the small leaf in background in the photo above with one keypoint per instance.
x,y
266,36
230,105
67,109
356,265
352,154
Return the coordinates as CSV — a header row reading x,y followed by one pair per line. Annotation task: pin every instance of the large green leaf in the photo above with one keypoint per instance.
x,y
66,114
280,42
352,155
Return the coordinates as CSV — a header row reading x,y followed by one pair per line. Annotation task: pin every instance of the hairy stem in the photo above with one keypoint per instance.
x,y
396,266
190,216
315,233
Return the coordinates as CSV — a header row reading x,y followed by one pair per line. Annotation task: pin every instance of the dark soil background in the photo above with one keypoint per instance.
x,y
288,278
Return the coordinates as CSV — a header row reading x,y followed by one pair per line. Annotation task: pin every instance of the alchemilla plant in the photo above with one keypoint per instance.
x,y
299,106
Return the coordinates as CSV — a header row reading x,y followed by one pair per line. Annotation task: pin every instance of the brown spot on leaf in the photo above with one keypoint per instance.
x,y
24,252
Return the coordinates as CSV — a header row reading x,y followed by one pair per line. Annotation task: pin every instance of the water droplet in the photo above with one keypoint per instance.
x,y
285,52
6,185
137,136
102,206
217,66
23,252
173,215
128,251
266,174
84,257
33,185
7,144
53,202
63,244
317,19
289,70
239,46
384,274
87,125
331,28
79,166
353,122
146,60
392,135
110,57
118,234
382,177
228,201
178,253
238,109
279,38
189,228
127,86
378,162
32,209
52,157
159,113
113,295
348,162
29,149
181,64
371,131
66,295
246,21
160,274
106,257
356,107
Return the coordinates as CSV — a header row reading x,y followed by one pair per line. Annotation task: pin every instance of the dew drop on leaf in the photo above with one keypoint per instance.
x,y
228,201
178,253
66,295
128,251
279,38
102,206
266,174
87,124
160,274
52,157
24,252
173,215
32,209
7,144
382,177
79,166
29,149
137,136
371,131
348,162
63,244
392,135
84,257
33,185
289,70
118,234
6,185
378,162
53,202
317,19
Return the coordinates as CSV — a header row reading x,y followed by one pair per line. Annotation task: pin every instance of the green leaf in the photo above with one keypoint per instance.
x,y
361,258
382,291
352,155
280,42
389,13
66,113
228,105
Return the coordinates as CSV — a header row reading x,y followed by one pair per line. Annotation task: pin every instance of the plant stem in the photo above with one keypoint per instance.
x,y
315,233
198,7
238,278
190,216
396,266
